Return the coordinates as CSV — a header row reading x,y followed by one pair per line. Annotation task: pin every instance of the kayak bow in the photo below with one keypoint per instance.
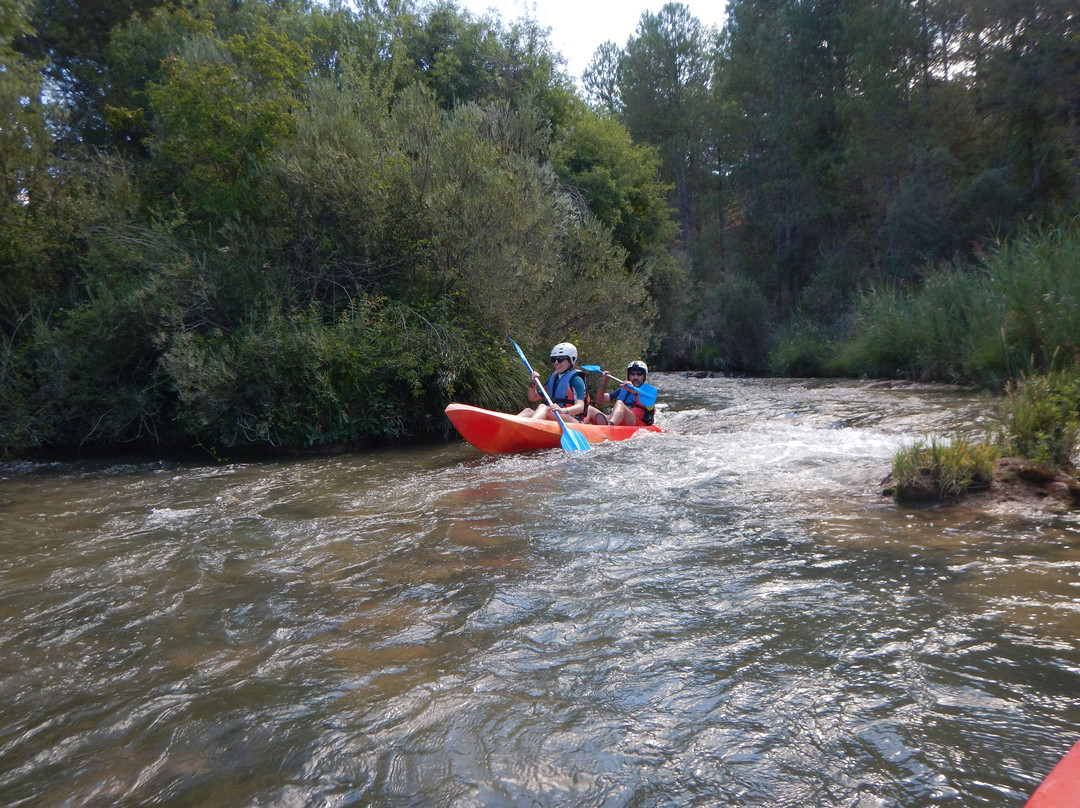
x,y
1061,788
499,432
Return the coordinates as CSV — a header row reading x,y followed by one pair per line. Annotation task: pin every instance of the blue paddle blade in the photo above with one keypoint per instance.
x,y
572,440
646,394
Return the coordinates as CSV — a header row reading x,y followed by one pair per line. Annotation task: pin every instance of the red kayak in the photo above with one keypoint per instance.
x,y
498,432
1061,788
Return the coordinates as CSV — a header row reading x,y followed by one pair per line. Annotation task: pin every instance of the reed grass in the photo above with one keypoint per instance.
x,y
924,335
937,470
1015,312
1041,418
1040,422
803,348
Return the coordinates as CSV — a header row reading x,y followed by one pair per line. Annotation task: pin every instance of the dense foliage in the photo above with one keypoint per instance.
x,y
1013,312
823,148
268,224
242,223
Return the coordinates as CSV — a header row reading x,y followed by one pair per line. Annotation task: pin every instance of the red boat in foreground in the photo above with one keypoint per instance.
x,y
1061,788
498,432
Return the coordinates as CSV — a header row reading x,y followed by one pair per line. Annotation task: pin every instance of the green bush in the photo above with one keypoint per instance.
x,y
883,339
377,373
731,326
1017,313
926,335
1036,285
803,349
94,373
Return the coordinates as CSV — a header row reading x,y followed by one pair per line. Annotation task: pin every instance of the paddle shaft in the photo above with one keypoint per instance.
x,y
646,393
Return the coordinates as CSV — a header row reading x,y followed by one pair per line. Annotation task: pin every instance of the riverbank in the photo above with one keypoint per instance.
x,y
1018,487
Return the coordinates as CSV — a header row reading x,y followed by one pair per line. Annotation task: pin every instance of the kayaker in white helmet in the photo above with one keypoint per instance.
x,y
565,386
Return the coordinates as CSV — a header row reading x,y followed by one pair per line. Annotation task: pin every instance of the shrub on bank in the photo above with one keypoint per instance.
x,y
926,335
1036,283
379,372
1042,418
803,349
1016,313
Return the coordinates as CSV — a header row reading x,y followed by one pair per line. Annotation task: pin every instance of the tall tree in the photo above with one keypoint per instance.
x,y
601,78
22,131
664,81
619,180
24,171
1028,72
464,59
71,37
219,112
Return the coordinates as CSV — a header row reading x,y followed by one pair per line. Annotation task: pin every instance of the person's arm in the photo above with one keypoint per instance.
x,y
602,395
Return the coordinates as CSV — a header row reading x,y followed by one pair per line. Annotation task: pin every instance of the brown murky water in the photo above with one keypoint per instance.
x,y
721,615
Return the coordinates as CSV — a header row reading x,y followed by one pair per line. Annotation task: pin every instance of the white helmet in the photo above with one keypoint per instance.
x,y
565,349
638,364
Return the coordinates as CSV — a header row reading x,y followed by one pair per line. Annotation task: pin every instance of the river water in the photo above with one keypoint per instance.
x,y
726,614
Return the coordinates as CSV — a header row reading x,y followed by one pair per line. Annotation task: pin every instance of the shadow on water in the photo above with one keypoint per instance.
x,y
724,614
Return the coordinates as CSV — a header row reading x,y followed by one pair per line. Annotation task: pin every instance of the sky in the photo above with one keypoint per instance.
x,y
579,27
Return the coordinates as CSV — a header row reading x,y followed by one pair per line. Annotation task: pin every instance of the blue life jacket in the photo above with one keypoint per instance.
x,y
563,395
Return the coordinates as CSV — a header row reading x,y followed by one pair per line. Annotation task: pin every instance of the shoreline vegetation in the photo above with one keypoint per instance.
x,y
244,226
1009,322
1028,456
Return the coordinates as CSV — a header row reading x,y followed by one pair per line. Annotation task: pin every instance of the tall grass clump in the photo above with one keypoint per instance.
x,y
942,470
924,335
1035,281
882,341
1017,312
1040,422
804,348
1041,418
